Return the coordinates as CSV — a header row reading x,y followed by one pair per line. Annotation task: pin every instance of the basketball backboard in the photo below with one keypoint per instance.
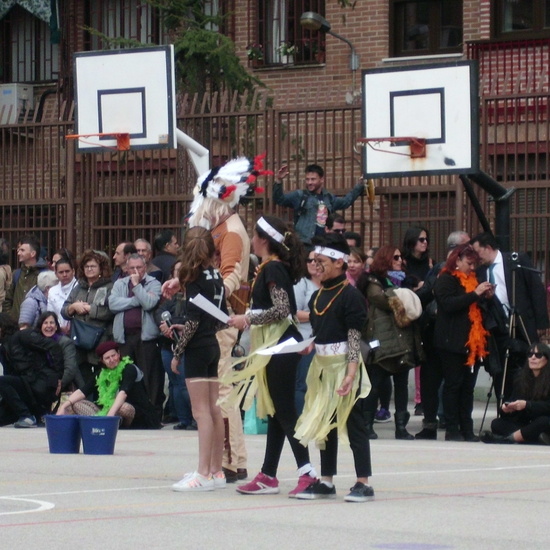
x,y
436,103
125,92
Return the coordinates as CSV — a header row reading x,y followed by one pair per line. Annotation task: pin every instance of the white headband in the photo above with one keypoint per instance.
x,y
331,253
271,231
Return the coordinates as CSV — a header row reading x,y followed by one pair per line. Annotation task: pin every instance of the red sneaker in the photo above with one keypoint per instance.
x,y
303,483
260,485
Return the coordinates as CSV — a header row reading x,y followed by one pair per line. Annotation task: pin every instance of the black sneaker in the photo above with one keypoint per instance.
x,y
360,493
317,491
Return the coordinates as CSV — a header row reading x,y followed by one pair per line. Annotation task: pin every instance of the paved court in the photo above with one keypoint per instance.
x,y
429,495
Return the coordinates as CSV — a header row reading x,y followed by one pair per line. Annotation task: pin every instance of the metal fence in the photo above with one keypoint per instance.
x,y
83,200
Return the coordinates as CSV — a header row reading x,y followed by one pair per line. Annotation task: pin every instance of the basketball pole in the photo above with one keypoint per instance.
x,y
199,155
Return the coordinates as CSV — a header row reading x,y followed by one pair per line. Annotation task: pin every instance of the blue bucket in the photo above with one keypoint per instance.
x,y
63,433
99,434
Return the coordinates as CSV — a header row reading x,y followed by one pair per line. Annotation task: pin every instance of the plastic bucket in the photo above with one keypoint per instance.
x,y
63,433
99,434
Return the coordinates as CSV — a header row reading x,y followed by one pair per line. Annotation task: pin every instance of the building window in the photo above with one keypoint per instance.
x,y
26,51
278,38
515,19
130,19
425,27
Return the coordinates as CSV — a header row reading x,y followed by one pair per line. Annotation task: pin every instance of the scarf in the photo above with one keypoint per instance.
x,y
108,383
477,337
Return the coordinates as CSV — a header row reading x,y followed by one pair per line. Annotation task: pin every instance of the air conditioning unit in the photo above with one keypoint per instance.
x,y
15,98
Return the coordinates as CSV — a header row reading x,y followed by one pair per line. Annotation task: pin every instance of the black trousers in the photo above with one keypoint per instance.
x,y
377,377
431,376
458,391
281,381
506,425
146,356
16,399
358,442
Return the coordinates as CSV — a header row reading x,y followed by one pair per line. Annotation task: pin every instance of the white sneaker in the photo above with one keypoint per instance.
x,y
219,480
194,482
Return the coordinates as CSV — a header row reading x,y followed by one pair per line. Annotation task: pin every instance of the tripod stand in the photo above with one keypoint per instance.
x,y
515,320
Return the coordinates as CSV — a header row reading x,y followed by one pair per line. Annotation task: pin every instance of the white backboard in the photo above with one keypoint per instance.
x,y
126,91
438,103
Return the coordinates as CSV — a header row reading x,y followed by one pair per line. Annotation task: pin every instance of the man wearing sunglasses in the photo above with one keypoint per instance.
x,y
312,206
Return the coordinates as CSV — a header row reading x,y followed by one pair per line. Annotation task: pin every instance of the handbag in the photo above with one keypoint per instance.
x,y
84,335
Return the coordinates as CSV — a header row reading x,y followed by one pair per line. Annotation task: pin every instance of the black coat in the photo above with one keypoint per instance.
x,y
452,325
529,293
38,361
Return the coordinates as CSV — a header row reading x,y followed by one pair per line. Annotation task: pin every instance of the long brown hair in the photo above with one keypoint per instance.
x,y
197,253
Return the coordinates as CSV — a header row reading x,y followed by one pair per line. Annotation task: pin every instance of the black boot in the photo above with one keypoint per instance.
x,y
490,437
401,420
429,431
369,421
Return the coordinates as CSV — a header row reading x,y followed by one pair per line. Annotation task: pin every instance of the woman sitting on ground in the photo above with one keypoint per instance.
x,y
526,417
48,325
33,367
120,389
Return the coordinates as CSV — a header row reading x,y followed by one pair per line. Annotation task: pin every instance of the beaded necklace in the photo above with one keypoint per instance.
x,y
343,284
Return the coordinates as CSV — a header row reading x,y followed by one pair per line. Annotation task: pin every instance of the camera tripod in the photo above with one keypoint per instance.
x,y
515,320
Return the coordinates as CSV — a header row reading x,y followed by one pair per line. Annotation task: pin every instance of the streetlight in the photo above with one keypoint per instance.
x,y
315,22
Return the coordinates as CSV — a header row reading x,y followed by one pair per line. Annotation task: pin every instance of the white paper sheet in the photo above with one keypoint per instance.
x,y
206,305
288,346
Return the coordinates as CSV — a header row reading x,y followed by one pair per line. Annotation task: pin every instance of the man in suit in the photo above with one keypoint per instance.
x,y
520,291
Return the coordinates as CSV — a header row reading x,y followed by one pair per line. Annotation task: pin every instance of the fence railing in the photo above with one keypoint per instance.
x,y
82,200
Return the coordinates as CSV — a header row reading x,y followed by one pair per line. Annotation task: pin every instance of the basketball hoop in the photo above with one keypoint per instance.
x,y
417,145
122,139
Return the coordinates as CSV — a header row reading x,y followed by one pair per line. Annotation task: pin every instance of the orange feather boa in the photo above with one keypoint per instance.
x,y
477,338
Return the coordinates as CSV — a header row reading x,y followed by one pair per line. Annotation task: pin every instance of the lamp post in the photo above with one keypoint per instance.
x,y
315,22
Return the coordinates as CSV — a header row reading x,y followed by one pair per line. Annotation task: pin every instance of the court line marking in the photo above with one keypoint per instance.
x,y
43,506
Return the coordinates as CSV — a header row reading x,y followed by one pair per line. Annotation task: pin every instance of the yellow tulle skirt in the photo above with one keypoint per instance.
x,y
251,381
324,409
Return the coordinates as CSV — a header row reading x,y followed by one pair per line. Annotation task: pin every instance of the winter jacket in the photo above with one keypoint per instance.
x,y
39,362
399,348
97,295
146,296
33,305
23,280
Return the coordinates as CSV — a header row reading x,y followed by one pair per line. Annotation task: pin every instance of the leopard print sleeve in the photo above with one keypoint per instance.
x,y
354,337
189,329
279,310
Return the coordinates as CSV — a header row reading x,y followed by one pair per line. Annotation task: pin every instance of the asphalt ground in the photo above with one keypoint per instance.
x,y
429,495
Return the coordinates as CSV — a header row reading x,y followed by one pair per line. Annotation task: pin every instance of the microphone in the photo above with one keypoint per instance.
x,y
167,318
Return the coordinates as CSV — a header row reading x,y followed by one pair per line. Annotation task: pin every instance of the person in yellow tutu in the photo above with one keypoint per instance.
x,y
337,378
273,378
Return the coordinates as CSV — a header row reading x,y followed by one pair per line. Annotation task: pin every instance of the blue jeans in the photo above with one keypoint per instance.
x,y
177,390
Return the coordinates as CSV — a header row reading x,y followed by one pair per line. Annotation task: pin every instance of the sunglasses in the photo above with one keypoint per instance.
x,y
397,257
340,231
423,240
310,260
536,354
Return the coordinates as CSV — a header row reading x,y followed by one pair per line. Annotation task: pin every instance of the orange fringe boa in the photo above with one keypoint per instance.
x,y
477,338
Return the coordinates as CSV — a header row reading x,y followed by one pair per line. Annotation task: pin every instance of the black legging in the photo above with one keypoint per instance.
x,y
506,425
281,380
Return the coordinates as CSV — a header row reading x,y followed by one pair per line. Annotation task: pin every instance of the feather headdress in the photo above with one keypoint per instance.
x,y
230,183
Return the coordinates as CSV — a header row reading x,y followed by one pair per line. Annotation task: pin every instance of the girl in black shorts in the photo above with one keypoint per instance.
x,y
197,339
